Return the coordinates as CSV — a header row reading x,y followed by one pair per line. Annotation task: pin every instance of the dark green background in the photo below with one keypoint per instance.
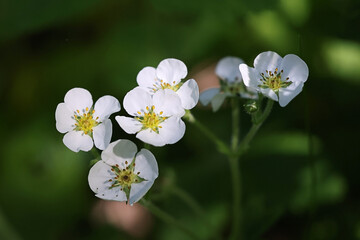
x,y
48,47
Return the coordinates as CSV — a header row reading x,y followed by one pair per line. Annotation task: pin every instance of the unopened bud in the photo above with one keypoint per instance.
x,y
251,106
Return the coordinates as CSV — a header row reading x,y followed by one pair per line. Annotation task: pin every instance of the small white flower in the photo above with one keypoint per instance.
x,y
83,123
123,174
168,75
280,79
156,118
228,72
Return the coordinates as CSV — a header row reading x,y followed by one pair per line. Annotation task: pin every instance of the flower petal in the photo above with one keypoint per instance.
x,y
285,96
146,79
294,68
168,102
102,134
138,190
267,61
151,137
78,99
98,178
173,129
251,77
105,106
137,100
207,95
64,118
78,141
228,69
118,152
146,164
171,70
129,124
269,93
218,101
189,94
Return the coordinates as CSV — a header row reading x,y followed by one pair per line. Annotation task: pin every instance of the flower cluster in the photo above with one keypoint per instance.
x,y
280,79
155,106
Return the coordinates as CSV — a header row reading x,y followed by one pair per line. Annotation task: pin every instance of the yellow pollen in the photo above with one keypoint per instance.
x,y
85,122
161,112
274,80
139,112
151,120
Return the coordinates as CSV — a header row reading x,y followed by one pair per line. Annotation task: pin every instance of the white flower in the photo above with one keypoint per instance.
x,y
83,123
280,79
123,174
156,118
228,72
168,75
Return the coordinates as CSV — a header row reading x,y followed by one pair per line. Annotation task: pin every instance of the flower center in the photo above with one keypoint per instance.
x,y
125,177
85,122
273,80
160,84
150,119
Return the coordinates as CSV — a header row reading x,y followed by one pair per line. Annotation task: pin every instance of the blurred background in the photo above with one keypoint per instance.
x,y
48,47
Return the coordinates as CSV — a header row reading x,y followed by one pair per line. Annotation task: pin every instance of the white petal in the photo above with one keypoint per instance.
x,y
151,137
137,100
172,130
228,69
269,93
168,102
294,68
102,134
129,124
118,152
146,78
146,164
267,61
251,77
189,94
171,70
64,118
207,95
78,99
105,106
78,141
98,178
218,101
285,96
138,190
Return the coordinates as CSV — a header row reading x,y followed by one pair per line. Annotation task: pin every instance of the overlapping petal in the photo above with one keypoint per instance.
x,y
171,70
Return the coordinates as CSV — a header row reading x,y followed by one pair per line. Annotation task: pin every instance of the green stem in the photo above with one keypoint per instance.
x,y
167,218
236,232
255,127
222,147
188,199
235,113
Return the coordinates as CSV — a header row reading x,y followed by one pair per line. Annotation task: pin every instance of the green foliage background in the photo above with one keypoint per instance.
x,y
48,47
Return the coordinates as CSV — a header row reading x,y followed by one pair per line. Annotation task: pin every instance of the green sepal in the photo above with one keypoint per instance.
x,y
263,86
126,190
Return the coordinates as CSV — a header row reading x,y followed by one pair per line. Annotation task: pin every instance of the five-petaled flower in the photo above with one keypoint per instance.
x,y
84,124
123,174
280,79
231,84
156,118
168,75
